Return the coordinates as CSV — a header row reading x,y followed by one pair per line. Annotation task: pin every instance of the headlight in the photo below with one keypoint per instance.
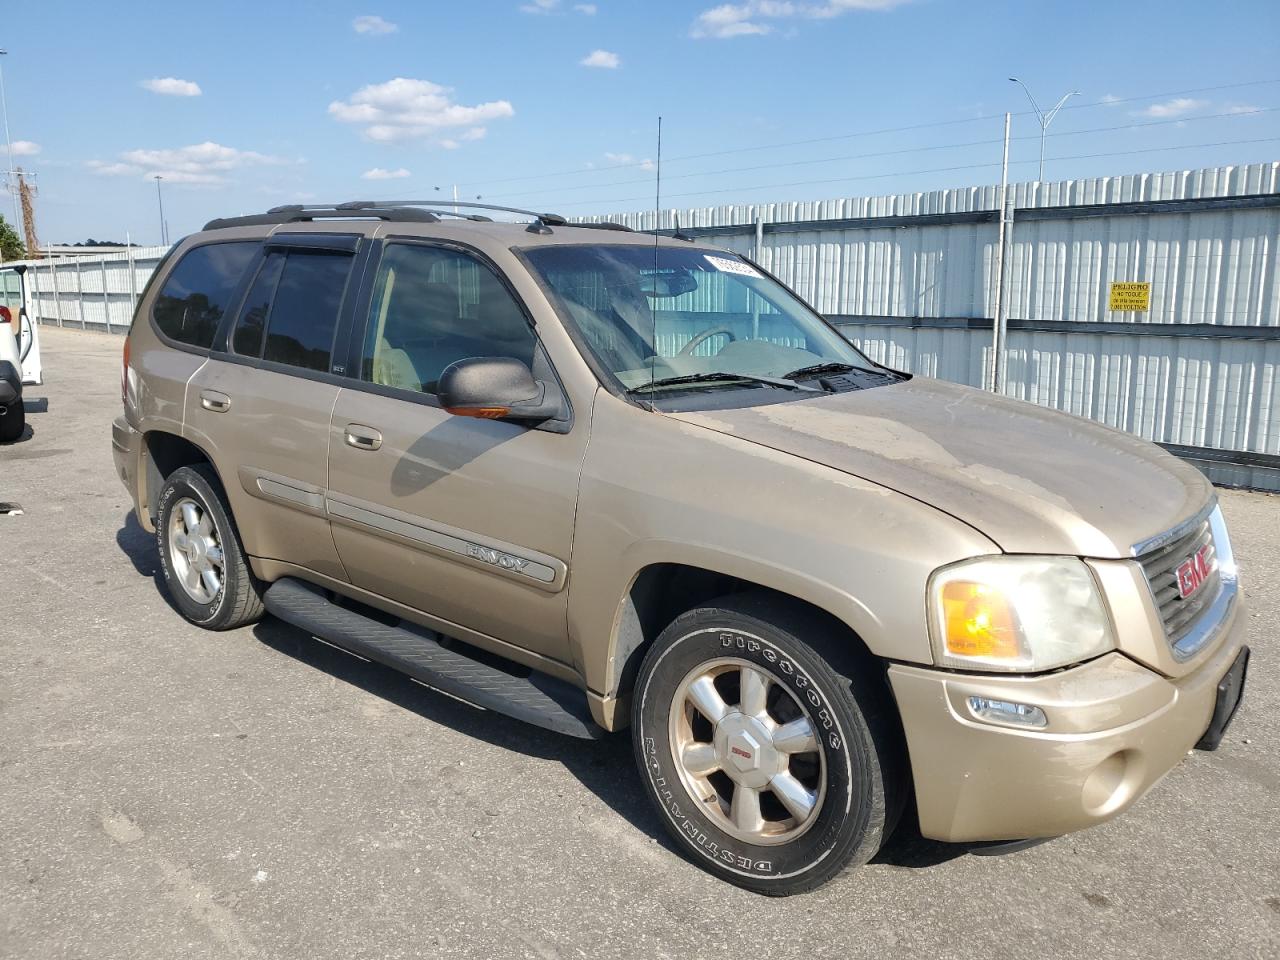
x,y
1020,614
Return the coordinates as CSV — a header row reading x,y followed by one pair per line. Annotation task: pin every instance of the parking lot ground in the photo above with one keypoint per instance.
x,y
167,792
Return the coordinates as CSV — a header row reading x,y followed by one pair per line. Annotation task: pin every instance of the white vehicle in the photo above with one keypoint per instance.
x,y
19,365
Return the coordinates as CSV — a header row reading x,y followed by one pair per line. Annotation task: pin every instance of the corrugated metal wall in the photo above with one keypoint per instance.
x,y
911,279
903,292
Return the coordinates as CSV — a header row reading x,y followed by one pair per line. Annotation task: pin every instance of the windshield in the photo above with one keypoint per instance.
x,y
666,313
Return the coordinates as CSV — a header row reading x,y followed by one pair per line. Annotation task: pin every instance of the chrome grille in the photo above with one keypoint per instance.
x,y
1179,615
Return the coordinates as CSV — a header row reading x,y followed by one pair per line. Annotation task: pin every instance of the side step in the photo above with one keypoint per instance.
x,y
537,699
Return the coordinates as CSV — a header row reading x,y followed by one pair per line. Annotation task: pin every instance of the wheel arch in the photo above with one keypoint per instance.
x,y
662,590
163,453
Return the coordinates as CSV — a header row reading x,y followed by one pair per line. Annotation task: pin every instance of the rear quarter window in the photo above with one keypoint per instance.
x,y
198,291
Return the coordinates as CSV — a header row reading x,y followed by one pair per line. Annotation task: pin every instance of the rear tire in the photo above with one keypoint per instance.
x,y
801,776
204,564
13,420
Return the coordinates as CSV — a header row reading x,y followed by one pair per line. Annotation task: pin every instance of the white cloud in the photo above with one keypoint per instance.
x,y
601,58
172,87
200,163
1239,108
406,109
1177,107
627,160
373,25
586,9
745,19
540,6
378,173
1110,99
26,148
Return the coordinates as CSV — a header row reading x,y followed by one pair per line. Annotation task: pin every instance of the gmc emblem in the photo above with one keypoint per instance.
x,y
1193,572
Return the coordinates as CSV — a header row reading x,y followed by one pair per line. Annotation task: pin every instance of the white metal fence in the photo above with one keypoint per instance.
x,y
911,279
88,291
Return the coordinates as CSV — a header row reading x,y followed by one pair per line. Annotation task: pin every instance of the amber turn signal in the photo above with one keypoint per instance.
x,y
484,413
979,621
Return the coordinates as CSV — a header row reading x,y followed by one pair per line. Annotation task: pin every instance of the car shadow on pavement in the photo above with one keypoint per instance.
x,y
140,547
606,767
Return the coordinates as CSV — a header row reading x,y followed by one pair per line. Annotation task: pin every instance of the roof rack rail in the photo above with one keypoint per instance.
x,y
297,213
420,211
549,219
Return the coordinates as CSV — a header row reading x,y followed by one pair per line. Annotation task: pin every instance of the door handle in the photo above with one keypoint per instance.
x,y
215,401
362,437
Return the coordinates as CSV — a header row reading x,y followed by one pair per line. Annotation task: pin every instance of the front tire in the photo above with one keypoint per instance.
x,y
200,552
769,768
13,420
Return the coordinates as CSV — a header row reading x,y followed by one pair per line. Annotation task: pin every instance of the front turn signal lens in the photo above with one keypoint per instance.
x,y
979,622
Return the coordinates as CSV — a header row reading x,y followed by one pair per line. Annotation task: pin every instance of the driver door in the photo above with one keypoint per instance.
x,y
467,520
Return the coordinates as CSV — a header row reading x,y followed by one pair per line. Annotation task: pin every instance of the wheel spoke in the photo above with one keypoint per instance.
x,y
190,517
205,526
700,759
706,698
745,809
795,737
191,578
209,577
181,541
793,794
754,687
214,554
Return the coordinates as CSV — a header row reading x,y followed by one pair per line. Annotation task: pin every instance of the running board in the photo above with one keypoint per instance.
x,y
537,699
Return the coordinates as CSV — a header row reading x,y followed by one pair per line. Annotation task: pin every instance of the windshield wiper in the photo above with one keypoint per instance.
x,y
830,366
717,376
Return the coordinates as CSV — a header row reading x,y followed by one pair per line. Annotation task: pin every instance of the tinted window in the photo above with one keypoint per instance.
x,y
304,309
247,339
198,291
433,306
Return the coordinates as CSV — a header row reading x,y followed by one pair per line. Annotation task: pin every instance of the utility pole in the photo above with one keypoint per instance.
x,y
1044,118
8,141
998,322
164,231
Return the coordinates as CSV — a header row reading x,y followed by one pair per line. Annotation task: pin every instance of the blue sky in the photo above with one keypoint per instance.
x,y
553,103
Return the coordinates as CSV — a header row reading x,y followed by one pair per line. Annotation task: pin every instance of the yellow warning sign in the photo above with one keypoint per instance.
x,y
1130,296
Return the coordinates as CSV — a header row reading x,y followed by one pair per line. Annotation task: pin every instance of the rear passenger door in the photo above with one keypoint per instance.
x,y
262,403
468,520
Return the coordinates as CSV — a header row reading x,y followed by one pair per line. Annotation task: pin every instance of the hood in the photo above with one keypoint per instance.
x,y
1031,479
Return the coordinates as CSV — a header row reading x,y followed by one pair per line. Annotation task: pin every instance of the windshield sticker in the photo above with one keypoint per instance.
x,y
725,265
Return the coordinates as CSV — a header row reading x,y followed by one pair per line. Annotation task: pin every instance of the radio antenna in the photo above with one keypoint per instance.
x,y
657,226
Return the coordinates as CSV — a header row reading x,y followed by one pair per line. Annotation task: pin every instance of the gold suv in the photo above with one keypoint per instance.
x,y
593,479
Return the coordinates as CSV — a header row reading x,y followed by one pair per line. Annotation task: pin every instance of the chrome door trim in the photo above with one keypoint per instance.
x,y
493,556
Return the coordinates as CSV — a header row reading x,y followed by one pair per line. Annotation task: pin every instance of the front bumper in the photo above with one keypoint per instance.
x,y
1115,728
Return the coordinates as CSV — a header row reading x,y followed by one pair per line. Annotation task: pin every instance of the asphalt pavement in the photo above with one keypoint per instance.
x,y
167,792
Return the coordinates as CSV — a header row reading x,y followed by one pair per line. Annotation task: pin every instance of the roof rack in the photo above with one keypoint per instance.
x,y
420,211
296,213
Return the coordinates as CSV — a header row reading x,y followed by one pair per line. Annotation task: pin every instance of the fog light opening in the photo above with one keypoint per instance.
x,y
1112,784
1007,712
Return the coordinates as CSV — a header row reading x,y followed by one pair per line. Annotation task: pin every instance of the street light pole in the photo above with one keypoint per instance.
x,y
164,233
4,107
1044,118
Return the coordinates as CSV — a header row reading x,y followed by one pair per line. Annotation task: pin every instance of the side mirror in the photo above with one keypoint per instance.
x,y
494,388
